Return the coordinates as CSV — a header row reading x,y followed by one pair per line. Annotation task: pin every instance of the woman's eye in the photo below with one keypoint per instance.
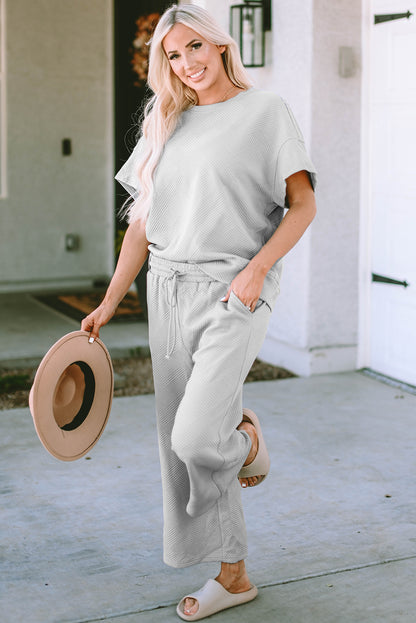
x,y
195,46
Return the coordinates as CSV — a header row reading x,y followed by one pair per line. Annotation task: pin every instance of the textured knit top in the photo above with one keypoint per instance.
x,y
219,187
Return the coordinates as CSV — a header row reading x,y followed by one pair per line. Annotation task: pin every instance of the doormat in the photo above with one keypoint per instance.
x,y
78,305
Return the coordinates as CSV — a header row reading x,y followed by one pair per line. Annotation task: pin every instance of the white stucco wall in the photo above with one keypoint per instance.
x,y
336,136
59,85
313,328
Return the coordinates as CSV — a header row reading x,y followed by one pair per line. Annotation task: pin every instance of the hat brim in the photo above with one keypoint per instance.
x,y
72,442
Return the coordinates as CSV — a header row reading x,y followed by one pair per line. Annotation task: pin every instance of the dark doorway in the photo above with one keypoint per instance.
x,y
130,94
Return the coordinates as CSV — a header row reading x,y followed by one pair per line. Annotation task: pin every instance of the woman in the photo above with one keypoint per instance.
x,y
209,178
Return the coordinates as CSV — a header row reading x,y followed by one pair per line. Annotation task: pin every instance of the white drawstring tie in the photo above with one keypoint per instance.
x,y
171,283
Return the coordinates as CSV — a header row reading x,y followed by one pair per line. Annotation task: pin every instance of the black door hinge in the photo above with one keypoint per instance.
x,y
379,19
383,279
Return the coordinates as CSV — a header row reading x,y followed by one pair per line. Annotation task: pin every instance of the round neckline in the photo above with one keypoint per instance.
x,y
216,105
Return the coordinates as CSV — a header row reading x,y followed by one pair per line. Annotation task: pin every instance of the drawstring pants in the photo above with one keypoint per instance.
x,y
202,349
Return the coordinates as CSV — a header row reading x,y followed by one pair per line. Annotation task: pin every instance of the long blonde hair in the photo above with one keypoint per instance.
x,y
171,96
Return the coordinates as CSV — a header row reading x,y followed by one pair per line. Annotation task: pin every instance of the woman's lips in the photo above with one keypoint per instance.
x,y
197,75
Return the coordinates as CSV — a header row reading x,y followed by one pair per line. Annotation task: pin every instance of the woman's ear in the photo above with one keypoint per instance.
x,y
221,48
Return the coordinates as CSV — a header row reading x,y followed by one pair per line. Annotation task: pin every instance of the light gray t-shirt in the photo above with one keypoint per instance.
x,y
219,188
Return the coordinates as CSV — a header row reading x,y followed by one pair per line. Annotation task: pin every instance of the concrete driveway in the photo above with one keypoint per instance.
x,y
332,531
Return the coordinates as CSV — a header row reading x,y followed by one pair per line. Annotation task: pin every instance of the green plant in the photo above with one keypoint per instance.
x,y
14,382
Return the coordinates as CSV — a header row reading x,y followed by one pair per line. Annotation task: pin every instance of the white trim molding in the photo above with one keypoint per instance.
x,y
3,100
309,361
365,242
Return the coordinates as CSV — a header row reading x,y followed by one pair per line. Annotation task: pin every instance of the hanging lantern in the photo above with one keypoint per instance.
x,y
248,23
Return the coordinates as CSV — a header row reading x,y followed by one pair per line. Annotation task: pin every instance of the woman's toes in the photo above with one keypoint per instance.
x,y
190,606
249,482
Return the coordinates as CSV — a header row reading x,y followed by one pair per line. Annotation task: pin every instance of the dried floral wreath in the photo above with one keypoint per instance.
x,y
140,50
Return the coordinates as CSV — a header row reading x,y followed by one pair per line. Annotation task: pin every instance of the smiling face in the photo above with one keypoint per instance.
x,y
196,62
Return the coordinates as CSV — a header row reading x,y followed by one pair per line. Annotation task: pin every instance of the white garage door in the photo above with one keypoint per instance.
x,y
393,183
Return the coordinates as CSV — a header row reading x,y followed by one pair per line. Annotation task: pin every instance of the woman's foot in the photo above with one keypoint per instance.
x,y
233,577
251,430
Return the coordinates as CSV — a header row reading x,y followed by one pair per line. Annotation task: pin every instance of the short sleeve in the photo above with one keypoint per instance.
x,y
291,156
127,176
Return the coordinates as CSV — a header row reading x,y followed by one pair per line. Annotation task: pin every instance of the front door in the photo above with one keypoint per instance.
x,y
133,24
393,184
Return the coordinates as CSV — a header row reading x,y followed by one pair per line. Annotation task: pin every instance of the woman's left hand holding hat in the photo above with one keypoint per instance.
x,y
98,318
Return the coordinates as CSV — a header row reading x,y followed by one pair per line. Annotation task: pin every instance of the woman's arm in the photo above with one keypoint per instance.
x,y
248,284
133,254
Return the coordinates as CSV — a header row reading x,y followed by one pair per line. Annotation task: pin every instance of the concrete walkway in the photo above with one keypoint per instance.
x,y
332,530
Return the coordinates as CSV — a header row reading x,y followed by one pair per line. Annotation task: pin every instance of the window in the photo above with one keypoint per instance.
x,y
3,137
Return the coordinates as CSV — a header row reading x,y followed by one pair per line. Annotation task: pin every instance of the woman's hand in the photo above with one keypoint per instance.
x,y
97,319
247,286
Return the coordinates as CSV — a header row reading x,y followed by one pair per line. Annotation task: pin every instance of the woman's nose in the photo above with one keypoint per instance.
x,y
187,62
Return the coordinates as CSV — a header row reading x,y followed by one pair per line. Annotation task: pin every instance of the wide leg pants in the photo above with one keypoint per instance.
x,y
202,349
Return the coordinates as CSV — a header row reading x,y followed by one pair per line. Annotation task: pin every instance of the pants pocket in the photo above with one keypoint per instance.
x,y
240,303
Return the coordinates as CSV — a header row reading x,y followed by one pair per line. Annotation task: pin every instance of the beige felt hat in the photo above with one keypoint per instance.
x,y
71,395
